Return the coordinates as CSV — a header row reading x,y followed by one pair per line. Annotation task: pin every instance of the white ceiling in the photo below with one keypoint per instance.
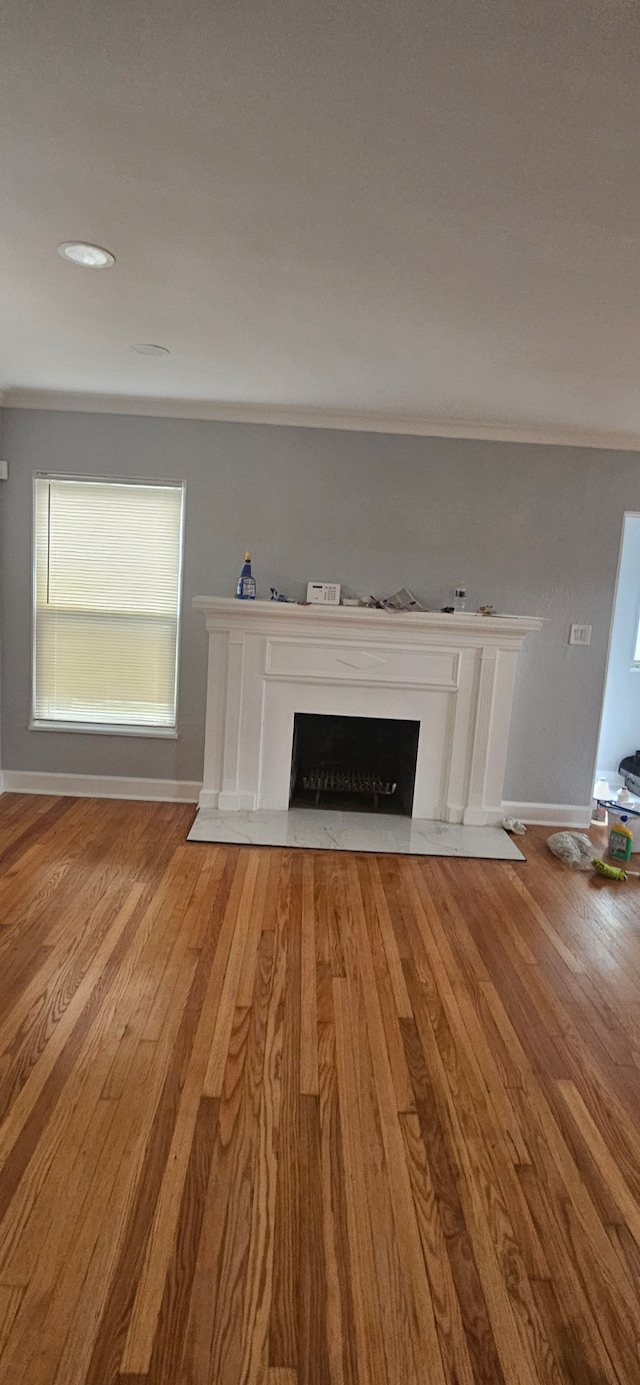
x,y
417,210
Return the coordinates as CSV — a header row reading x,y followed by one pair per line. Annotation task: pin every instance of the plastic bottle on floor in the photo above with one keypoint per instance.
x,y
620,839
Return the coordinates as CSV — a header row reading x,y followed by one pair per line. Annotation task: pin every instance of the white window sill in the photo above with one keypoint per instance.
x,y
165,733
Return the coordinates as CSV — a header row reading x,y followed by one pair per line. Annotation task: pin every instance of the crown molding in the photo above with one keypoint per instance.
x,y
301,416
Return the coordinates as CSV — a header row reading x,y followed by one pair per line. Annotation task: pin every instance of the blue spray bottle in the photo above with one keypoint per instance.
x,y
246,588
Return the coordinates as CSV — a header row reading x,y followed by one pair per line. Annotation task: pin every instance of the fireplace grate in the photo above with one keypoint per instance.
x,y
337,778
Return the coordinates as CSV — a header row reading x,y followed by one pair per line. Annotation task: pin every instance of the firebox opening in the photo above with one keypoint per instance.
x,y
356,764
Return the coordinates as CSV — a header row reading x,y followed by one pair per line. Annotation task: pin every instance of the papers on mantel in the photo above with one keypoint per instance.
x,y
404,600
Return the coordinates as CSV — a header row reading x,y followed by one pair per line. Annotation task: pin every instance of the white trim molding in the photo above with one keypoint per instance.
x,y
101,786
549,814
189,791
316,416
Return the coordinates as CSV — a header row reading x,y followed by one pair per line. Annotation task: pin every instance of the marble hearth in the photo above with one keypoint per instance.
x,y
452,674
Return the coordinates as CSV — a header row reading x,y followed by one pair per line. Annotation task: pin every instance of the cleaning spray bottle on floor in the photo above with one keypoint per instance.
x,y
246,588
620,839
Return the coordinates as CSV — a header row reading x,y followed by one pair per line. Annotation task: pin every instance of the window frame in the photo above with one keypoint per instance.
x,y
148,731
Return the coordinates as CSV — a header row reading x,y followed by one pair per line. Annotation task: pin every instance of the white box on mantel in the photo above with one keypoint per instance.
x,y
323,593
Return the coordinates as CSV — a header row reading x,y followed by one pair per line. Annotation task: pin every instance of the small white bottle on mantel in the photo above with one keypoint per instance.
x,y
460,597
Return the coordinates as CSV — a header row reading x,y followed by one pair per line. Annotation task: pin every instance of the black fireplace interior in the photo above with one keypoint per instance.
x,y
360,764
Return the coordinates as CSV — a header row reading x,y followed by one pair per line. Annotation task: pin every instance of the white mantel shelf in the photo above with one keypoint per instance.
x,y
453,673
266,614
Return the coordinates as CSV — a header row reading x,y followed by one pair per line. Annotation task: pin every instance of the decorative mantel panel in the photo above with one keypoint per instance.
x,y
452,673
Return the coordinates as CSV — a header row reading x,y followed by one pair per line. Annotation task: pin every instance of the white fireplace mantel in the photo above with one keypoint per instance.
x,y
452,673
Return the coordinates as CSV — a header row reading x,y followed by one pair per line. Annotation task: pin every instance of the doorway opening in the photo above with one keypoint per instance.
x,y
619,738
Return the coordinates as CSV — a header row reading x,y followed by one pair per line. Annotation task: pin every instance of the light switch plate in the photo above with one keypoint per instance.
x,y
4,471
580,634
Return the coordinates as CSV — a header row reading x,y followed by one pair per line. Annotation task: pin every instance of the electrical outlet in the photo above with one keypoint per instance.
x,y
580,634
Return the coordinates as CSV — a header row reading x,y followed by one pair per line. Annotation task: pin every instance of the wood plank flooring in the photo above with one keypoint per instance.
x,y
271,1117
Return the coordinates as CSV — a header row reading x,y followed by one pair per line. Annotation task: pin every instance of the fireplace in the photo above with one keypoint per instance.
x,y
358,764
450,675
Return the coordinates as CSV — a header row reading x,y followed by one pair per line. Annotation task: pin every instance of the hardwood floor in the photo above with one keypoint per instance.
x,y
291,1118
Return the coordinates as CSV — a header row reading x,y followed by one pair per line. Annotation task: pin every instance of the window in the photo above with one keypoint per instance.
x,y
107,579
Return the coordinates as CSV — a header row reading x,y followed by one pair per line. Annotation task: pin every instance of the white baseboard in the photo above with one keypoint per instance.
x,y
549,814
101,786
190,791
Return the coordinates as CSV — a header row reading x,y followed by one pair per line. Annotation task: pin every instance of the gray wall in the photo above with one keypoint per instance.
x,y
1,588
620,729
535,530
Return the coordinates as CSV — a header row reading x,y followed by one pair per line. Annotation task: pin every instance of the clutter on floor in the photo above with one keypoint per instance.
x,y
613,872
576,851
514,825
629,768
572,848
617,812
620,838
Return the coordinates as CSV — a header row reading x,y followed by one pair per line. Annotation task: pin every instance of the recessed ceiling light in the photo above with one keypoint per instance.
x,y
147,348
89,256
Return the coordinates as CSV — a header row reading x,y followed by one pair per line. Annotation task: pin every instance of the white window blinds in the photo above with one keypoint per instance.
x,y
106,601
